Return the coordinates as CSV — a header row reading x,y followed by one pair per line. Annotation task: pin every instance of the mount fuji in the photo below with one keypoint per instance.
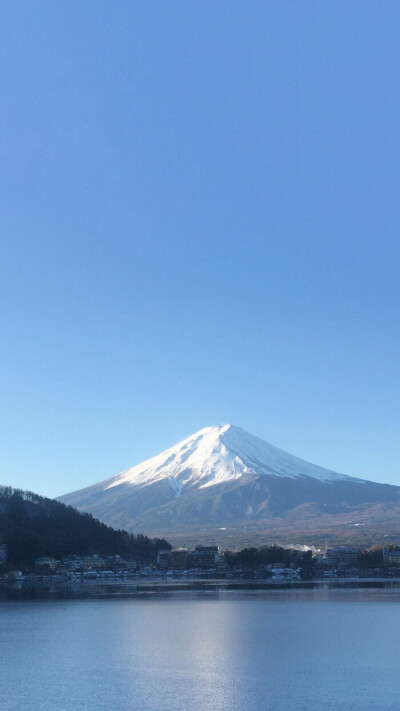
x,y
227,485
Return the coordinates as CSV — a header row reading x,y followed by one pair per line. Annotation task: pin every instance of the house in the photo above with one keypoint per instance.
x,y
46,563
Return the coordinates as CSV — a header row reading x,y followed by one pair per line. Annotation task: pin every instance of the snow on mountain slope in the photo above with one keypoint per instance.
x,y
216,455
224,479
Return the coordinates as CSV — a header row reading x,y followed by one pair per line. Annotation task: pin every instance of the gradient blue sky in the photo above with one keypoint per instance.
x,y
199,225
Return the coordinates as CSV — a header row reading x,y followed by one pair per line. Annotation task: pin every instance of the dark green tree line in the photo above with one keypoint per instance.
x,y
33,526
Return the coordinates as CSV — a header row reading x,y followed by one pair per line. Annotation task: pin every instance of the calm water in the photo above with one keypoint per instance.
x,y
315,651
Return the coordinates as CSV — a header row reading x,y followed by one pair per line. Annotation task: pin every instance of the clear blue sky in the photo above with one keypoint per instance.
x,y
199,225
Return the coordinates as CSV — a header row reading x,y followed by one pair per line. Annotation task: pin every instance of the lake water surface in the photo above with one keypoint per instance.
x,y
218,651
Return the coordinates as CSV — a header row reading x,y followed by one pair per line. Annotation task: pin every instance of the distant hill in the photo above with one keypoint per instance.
x,y
226,486
33,526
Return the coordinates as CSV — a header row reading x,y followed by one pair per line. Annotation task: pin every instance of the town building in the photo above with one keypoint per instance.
x,y
341,557
163,559
46,563
391,556
204,557
179,558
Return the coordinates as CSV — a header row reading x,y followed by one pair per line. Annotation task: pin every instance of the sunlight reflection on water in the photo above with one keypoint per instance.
x,y
245,652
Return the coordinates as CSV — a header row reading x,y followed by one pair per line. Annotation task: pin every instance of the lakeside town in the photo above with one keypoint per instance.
x,y
268,563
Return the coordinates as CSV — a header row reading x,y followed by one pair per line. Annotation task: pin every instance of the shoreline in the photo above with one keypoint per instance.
x,y
179,588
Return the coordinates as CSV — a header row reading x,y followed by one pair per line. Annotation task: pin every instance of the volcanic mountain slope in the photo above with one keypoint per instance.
x,y
222,479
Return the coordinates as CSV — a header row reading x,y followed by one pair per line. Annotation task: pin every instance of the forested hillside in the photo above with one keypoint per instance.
x,y
33,526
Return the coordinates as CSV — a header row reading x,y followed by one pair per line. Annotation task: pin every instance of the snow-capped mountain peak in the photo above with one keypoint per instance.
x,y
222,480
216,455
